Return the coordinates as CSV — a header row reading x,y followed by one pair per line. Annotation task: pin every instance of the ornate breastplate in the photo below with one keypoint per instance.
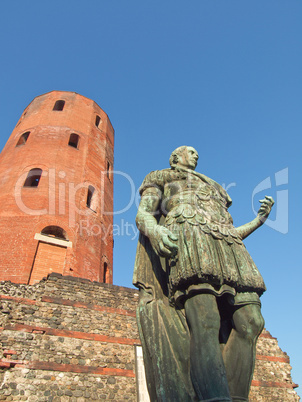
x,y
201,204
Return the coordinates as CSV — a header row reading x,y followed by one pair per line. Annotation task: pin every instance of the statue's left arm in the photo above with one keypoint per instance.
x,y
263,213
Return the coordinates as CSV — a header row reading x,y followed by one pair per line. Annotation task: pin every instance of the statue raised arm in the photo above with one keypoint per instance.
x,y
264,211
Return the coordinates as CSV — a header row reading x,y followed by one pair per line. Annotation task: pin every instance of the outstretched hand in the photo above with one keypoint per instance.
x,y
266,207
163,242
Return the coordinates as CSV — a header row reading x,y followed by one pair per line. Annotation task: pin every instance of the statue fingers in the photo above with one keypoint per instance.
x,y
172,236
264,202
164,251
264,207
167,247
270,199
168,242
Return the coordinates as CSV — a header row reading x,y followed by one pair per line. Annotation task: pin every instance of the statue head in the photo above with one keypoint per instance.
x,y
185,157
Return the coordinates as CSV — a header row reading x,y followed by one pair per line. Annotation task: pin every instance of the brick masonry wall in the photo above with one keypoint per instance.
x,y
69,339
272,376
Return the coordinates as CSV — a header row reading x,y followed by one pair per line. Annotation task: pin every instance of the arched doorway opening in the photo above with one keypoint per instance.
x,y
50,254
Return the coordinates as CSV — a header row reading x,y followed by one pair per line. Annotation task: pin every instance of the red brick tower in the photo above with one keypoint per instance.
x,y
56,191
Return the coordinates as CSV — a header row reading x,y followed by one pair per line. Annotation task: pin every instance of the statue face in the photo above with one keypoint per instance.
x,y
188,158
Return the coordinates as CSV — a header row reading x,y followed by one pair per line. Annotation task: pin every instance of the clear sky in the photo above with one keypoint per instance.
x,y
222,76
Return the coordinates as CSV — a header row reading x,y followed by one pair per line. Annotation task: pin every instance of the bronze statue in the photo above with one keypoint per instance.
x,y
199,312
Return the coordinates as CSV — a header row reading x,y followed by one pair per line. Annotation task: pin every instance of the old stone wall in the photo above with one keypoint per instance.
x,y
69,339
272,376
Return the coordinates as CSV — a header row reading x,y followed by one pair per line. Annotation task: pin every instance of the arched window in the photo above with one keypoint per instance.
x,y
109,170
74,140
23,139
33,178
59,105
106,273
55,231
90,203
97,120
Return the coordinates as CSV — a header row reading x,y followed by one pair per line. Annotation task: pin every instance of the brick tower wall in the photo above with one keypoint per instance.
x,y
60,199
69,339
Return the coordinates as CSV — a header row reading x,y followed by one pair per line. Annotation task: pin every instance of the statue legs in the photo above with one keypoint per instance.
x,y
216,375
240,350
208,374
183,355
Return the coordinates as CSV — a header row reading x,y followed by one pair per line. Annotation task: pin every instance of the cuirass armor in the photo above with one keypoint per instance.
x,y
198,203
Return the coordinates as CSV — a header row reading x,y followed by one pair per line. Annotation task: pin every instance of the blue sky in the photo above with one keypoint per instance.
x,y
222,76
